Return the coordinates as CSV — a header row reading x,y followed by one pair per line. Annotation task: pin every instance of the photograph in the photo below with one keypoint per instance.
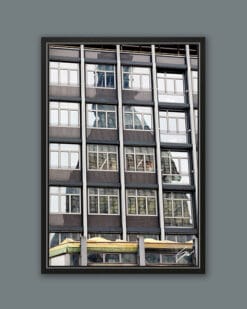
x,y
122,162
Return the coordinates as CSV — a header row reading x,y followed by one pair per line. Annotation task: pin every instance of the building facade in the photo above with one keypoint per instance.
x,y
122,148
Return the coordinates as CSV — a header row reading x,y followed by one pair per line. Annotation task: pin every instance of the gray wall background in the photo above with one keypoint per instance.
x,y
22,23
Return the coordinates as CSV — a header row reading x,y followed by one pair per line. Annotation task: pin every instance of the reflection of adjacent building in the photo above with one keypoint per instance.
x,y
121,154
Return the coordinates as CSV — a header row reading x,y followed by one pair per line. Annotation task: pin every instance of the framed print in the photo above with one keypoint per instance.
x,y
123,155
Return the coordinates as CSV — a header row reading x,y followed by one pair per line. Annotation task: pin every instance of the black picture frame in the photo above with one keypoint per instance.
x,y
144,43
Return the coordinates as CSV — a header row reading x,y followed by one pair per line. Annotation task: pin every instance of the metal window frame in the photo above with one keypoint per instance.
x,y
95,77
59,151
59,194
142,118
98,203
144,160
136,202
107,155
102,111
181,217
59,109
138,74
59,78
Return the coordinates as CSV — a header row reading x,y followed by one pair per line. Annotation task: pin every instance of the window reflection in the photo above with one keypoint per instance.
x,y
175,167
138,118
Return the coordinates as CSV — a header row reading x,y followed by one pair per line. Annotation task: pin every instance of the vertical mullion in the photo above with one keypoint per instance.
x,y
121,145
83,145
157,138
192,124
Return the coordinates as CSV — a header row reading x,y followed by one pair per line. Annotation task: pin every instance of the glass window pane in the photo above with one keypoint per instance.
x,y
74,118
63,204
112,158
64,159
90,79
101,119
139,162
100,79
53,76
130,162
172,125
93,204
110,80
141,202
64,77
145,82
103,204
131,205
179,86
54,159
149,161
112,258
138,121
102,161
74,158
53,117
113,205
161,84
75,204
151,203
111,120
147,119
53,203
64,117
92,161
170,86
181,125
74,78
128,119
177,208
136,82
91,120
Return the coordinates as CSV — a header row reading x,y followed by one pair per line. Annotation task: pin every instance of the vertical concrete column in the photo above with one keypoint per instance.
x,y
141,251
157,138
192,125
83,254
121,144
83,145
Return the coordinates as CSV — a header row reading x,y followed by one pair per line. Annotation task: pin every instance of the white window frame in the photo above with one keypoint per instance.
x,y
69,110
167,116
58,66
173,198
136,196
98,195
59,151
183,155
140,75
139,151
60,195
164,78
107,157
95,71
97,110
133,113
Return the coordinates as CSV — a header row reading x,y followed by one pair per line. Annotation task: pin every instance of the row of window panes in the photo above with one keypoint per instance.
x,y
164,258
172,124
170,85
175,165
57,237
177,206
112,258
